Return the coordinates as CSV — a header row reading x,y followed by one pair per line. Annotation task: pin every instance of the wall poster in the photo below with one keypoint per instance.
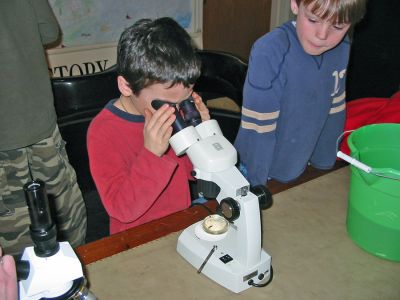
x,y
91,29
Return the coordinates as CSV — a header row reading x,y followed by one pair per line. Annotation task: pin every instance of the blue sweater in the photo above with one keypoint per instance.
x,y
293,107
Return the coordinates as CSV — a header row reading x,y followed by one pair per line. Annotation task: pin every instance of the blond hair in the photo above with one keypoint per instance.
x,y
336,11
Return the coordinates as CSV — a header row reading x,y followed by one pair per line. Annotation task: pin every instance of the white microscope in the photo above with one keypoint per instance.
x,y
50,269
226,247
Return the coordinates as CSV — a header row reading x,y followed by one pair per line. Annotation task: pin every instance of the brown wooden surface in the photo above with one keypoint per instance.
x,y
145,233
142,234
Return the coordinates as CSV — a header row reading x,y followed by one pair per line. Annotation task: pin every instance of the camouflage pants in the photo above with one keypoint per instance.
x,y
46,160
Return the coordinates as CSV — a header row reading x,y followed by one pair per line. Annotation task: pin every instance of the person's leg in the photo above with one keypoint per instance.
x,y
14,216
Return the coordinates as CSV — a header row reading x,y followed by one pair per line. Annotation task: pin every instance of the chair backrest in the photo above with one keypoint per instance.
x,y
78,99
77,94
222,75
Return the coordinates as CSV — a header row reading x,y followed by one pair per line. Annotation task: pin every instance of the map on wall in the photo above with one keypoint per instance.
x,y
87,22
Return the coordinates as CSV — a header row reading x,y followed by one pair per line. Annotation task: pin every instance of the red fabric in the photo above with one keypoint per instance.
x,y
367,111
135,185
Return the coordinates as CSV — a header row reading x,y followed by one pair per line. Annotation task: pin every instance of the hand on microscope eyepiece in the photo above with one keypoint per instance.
x,y
186,115
179,122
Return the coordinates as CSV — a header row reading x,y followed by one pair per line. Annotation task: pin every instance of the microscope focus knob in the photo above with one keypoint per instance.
x,y
264,196
230,209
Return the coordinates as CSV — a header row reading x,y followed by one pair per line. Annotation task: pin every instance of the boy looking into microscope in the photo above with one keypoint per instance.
x,y
137,174
294,94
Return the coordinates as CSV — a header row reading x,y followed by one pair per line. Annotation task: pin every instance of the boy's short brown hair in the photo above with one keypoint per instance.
x,y
157,51
337,11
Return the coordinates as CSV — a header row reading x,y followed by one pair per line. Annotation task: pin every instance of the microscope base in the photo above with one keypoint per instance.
x,y
221,267
50,277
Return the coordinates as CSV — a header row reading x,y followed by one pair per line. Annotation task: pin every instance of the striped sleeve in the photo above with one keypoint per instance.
x,y
324,155
262,92
338,104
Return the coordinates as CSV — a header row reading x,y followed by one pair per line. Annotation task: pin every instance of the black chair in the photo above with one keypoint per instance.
x,y
78,99
222,75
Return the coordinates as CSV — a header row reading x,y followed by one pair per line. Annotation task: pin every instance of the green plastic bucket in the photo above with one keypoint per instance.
x,y
373,215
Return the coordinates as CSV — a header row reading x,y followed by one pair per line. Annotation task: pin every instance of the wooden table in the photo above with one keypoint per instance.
x,y
148,232
304,232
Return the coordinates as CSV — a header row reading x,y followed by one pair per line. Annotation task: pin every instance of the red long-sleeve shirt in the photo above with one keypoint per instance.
x,y
135,185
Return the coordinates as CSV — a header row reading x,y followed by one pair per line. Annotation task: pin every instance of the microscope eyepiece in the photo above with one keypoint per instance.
x,y
187,115
179,122
42,229
190,112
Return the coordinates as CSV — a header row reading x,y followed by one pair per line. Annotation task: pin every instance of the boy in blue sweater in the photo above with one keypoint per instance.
x,y
294,94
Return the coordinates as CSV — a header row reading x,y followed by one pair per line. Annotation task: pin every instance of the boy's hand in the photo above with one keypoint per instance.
x,y
201,107
158,129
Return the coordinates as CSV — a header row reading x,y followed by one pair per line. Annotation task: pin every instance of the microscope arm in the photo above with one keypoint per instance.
x,y
214,158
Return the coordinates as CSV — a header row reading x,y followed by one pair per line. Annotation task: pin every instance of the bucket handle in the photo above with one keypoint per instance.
x,y
367,169
340,138
358,164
